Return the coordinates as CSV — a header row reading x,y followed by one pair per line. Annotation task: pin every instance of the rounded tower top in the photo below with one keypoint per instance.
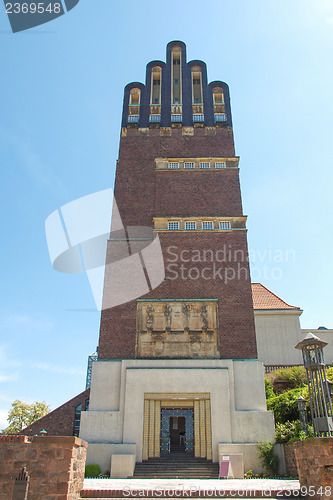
x,y
176,93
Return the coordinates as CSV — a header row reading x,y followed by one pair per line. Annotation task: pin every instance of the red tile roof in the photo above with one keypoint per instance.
x,y
265,299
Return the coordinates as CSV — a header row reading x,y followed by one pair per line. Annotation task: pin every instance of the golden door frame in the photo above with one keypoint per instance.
x,y
153,403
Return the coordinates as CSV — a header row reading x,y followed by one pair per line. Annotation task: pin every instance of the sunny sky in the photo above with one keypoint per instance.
x,y
62,89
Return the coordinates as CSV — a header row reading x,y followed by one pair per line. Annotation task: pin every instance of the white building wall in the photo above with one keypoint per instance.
x,y
277,334
236,388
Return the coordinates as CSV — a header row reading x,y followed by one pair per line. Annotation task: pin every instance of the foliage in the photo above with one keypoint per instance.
x,y
293,377
92,470
269,388
285,406
287,431
291,431
329,373
250,475
22,414
267,457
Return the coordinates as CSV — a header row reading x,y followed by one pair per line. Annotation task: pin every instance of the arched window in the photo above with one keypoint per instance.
x,y
135,97
134,106
176,76
196,85
218,95
156,77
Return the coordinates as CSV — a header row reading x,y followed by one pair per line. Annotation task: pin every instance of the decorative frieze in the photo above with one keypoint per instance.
x,y
177,329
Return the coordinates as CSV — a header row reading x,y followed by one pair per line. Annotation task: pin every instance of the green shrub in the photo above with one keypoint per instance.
x,y
329,373
285,406
267,457
269,388
287,431
92,470
291,431
293,377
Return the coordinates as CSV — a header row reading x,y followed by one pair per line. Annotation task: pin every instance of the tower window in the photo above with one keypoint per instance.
x,y
189,164
207,225
156,75
154,118
173,164
224,224
218,95
133,119
204,164
196,84
176,76
190,226
135,97
220,164
220,117
198,117
176,118
173,226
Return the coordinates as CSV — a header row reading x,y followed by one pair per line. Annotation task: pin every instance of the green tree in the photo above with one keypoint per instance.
x,y
22,414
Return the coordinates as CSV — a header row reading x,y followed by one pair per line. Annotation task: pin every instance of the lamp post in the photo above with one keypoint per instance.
x,y
320,403
301,404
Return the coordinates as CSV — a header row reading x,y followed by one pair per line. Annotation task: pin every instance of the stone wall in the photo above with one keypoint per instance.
x,y
55,466
290,460
314,458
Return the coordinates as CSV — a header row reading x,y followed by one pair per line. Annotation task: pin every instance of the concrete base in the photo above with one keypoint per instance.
x,y
122,466
101,454
249,452
236,390
237,463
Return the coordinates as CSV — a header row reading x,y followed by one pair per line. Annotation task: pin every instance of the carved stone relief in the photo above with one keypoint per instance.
x,y
177,329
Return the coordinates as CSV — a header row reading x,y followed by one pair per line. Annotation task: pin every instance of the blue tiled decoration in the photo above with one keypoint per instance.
x,y
189,426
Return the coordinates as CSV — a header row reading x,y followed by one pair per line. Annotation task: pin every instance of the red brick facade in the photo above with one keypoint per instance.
x,y
142,192
59,422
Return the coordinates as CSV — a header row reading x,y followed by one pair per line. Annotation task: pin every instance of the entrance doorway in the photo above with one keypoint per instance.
x,y
177,430
157,433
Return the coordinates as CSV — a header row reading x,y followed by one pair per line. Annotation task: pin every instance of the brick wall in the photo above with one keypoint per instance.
x,y
59,422
290,459
141,193
55,466
314,459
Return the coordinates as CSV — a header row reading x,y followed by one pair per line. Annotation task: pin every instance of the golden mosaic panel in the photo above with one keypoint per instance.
x,y
145,430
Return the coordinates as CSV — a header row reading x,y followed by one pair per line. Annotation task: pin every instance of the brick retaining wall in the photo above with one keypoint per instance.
x,y
314,458
290,459
55,465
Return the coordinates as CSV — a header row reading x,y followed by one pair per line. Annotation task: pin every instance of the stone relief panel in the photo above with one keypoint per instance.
x,y
177,329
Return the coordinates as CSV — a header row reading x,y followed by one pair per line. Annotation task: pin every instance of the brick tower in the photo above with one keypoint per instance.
x,y
177,357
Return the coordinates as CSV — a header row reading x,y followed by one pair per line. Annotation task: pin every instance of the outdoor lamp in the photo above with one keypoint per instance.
x,y
320,389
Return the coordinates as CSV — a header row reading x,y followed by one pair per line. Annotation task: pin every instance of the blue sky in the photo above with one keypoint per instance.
x,y
62,88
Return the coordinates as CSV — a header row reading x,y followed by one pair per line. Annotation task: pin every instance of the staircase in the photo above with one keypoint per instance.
x,y
176,465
